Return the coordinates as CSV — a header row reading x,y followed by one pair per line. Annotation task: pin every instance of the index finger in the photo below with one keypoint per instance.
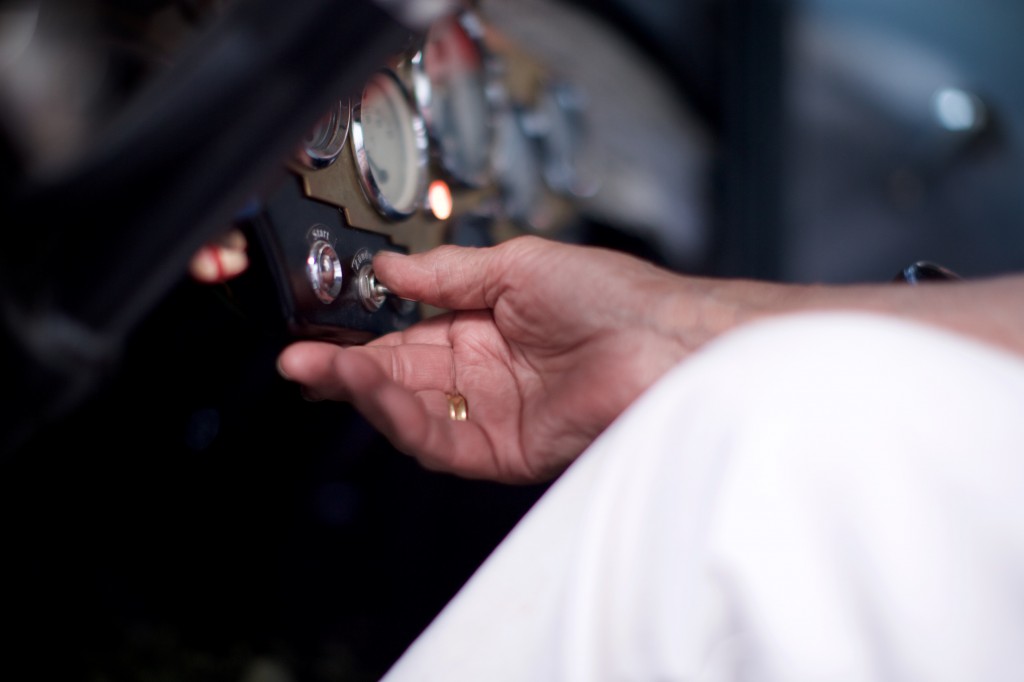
x,y
452,277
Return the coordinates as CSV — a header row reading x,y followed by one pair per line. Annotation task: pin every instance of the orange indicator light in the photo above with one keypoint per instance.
x,y
440,198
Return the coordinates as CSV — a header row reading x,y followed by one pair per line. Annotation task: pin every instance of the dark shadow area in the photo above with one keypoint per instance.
x,y
198,517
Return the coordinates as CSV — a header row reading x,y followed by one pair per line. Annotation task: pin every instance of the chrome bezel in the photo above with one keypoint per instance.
x,y
322,152
419,134
314,272
423,91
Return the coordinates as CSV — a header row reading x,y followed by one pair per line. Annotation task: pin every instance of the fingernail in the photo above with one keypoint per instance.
x,y
309,396
385,255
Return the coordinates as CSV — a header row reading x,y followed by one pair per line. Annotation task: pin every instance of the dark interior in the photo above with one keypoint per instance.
x,y
185,514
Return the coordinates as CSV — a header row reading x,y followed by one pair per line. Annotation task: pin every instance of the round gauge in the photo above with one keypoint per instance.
x,y
325,141
451,86
519,173
390,144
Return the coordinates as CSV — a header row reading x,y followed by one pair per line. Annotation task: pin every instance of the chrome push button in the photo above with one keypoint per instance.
x,y
324,270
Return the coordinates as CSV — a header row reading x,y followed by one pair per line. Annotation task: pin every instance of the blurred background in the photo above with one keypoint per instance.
x,y
179,512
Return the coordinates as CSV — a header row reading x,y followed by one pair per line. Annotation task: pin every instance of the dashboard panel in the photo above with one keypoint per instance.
x,y
461,137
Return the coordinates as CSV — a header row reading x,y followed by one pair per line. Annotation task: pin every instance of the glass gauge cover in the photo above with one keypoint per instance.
x,y
451,87
325,141
390,144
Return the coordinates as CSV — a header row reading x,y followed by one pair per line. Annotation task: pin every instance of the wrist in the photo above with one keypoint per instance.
x,y
701,309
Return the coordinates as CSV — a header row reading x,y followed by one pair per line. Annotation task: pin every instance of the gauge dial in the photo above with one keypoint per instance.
x,y
325,141
451,86
390,143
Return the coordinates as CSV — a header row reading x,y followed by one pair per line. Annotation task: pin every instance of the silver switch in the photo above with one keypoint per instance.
x,y
371,292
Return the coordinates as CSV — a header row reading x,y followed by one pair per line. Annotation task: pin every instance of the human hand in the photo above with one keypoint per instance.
x,y
548,343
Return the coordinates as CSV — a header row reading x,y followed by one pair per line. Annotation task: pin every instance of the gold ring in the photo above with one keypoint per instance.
x,y
458,410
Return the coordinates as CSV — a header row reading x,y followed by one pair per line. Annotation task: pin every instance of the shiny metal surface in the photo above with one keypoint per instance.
x,y
372,293
327,139
455,81
400,154
324,271
418,14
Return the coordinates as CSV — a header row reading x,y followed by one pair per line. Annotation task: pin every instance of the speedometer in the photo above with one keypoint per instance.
x,y
390,144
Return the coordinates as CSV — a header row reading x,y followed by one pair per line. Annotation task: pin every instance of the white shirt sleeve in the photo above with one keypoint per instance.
x,y
817,497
